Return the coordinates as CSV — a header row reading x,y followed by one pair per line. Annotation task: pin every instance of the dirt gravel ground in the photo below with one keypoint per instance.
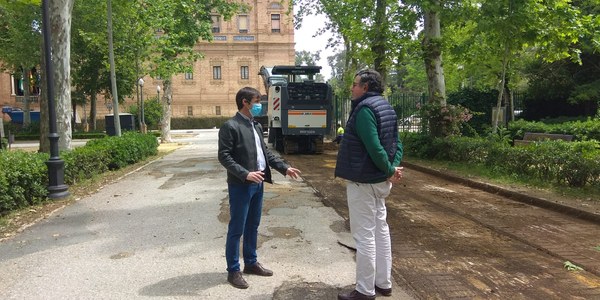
x,y
451,241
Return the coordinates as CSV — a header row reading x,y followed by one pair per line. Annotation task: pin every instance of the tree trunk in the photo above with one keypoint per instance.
x,y
501,88
60,22
379,48
432,51
165,122
93,110
26,97
113,76
433,58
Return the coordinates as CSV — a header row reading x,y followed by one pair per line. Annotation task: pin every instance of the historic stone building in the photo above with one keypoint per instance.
x,y
262,36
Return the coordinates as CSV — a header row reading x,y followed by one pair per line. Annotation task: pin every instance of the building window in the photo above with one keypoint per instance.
x,y
217,72
189,75
12,85
275,5
243,23
275,23
245,72
216,23
190,111
218,110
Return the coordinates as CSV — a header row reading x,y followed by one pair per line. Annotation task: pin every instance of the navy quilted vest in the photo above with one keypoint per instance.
x,y
353,161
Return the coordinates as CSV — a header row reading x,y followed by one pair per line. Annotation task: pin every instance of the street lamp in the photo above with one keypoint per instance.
x,y
142,118
56,166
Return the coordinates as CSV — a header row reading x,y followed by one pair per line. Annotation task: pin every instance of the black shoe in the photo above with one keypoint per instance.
x,y
383,292
257,269
236,279
355,295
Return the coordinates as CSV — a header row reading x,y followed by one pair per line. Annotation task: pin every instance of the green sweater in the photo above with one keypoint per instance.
x,y
366,129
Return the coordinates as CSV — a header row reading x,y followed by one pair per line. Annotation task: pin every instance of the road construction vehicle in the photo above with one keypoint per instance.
x,y
299,110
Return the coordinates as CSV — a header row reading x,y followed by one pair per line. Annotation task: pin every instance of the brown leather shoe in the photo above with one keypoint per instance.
x,y
355,295
383,292
236,279
257,269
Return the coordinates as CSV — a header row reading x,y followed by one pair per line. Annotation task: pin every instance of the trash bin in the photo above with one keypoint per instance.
x,y
127,123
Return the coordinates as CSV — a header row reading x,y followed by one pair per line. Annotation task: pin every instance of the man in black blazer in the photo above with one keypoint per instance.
x,y
243,153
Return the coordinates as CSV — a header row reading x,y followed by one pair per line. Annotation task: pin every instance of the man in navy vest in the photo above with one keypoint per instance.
x,y
243,153
369,158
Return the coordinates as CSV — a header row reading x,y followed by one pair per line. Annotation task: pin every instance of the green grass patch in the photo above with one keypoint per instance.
x,y
475,171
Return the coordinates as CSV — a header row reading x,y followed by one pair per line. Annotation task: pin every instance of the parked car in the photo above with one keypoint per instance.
x,y
412,120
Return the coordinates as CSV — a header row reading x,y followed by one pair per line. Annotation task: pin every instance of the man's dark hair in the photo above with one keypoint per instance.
x,y
246,93
373,80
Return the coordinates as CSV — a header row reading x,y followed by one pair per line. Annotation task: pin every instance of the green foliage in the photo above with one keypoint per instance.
x,y
20,46
445,120
130,148
571,88
23,175
581,130
575,164
23,179
153,111
479,103
85,162
586,92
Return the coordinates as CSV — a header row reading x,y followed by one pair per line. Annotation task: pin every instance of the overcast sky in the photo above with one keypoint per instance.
x,y
305,41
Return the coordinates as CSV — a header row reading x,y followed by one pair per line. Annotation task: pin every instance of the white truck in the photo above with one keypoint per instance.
x,y
299,110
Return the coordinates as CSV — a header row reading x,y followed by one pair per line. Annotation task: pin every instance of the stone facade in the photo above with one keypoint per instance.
x,y
262,36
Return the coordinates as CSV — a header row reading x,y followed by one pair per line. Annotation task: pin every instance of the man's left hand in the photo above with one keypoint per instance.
x,y
293,172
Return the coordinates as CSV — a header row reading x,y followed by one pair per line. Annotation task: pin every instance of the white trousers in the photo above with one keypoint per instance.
x,y
369,228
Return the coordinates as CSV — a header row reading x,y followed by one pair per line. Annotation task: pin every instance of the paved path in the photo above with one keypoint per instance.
x,y
160,232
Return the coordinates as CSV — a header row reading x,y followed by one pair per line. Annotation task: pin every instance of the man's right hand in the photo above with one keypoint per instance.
x,y
397,175
256,176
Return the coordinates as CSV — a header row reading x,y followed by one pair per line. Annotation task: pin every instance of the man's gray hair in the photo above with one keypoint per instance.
x,y
373,80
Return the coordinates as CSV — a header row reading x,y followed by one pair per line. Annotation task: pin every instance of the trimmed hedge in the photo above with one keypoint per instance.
x,y
24,175
130,148
573,163
23,179
581,130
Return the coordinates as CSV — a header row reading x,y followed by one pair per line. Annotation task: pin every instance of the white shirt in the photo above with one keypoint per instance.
x,y
261,164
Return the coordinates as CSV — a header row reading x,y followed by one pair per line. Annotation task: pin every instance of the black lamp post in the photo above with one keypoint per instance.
x,y
56,166
143,127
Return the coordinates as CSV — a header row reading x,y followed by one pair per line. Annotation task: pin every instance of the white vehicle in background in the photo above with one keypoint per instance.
x,y
299,109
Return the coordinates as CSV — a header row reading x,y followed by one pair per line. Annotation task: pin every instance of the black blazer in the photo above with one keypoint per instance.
x,y
237,150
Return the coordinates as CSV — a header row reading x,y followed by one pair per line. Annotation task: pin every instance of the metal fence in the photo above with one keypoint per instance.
x,y
406,106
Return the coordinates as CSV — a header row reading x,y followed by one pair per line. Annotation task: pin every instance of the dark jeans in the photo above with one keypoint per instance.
x,y
245,207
